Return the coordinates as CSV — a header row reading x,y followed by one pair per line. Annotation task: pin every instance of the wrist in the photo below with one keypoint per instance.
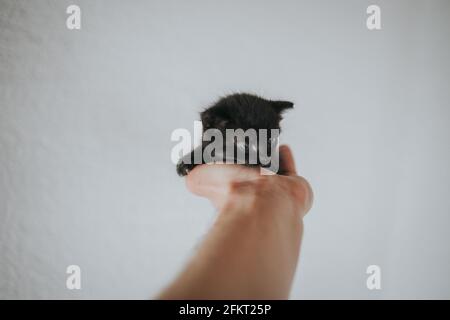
x,y
242,203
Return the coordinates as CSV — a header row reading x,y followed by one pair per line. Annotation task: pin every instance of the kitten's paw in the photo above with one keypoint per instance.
x,y
183,169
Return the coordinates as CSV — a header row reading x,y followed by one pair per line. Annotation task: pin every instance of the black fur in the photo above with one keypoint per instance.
x,y
238,111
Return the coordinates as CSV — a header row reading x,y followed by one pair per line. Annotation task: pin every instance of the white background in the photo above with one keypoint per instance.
x,y
86,118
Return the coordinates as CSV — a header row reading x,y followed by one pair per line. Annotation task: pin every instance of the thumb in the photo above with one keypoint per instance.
x,y
287,163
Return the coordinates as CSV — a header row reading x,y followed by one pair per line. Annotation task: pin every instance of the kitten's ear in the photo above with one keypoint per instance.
x,y
281,106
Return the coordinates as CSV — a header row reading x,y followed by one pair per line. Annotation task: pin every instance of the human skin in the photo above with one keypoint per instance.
x,y
251,251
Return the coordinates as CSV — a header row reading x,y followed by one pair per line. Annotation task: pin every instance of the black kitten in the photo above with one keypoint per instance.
x,y
237,111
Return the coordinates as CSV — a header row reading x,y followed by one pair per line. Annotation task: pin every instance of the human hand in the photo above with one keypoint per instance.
x,y
251,251
228,185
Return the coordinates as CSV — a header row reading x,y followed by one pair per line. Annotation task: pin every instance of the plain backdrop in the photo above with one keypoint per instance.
x,y
86,118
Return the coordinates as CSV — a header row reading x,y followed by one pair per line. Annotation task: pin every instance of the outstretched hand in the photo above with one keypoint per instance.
x,y
225,184
251,251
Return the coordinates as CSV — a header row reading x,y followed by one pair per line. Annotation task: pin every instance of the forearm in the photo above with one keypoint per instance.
x,y
250,252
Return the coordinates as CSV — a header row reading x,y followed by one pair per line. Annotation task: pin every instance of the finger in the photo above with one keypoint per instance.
x,y
287,163
213,181
206,180
203,180
309,194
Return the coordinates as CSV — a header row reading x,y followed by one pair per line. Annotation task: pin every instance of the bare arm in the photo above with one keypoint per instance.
x,y
251,251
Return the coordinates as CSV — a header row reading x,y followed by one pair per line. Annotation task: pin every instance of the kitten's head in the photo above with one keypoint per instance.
x,y
244,111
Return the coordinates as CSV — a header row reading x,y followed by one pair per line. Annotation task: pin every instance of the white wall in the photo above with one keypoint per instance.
x,y
86,118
